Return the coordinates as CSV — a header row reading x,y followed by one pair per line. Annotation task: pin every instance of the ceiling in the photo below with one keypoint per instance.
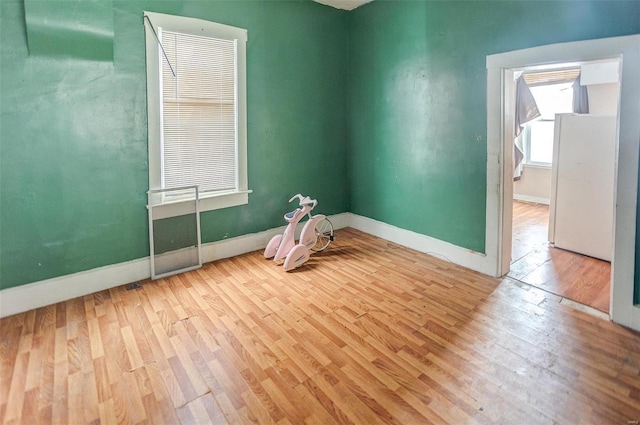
x,y
343,4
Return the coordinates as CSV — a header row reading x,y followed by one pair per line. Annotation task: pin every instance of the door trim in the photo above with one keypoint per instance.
x,y
499,179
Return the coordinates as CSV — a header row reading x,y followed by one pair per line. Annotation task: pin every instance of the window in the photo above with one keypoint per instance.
x,y
196,98
538,134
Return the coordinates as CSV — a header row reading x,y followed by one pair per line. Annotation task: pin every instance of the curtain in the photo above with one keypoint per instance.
x,y
526,110
580,97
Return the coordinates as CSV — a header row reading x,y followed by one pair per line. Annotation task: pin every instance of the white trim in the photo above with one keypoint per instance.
x,y
499,188
38,294
211,202
50,291
626,48
533,199
584,308
537,165
461,256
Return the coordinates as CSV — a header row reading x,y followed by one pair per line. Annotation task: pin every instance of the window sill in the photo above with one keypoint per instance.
x,y
537,165
210,202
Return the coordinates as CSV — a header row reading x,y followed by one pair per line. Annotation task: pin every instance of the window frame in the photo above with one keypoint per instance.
x,y
526,133
154,58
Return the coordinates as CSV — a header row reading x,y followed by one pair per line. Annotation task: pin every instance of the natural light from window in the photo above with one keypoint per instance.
x,y
552,99
196,110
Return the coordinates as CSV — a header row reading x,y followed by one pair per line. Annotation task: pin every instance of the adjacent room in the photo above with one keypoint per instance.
x,y
150,154
564,182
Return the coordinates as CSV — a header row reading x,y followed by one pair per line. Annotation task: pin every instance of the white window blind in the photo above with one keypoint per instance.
x,y
551,77
199,112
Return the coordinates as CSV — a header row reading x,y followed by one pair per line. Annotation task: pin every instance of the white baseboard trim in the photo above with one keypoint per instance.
x,y
50,291
461,256
534,199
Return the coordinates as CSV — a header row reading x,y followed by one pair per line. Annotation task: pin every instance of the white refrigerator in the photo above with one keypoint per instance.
x,y
582,184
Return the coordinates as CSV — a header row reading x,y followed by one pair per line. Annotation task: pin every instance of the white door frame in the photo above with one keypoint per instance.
x,y
499,165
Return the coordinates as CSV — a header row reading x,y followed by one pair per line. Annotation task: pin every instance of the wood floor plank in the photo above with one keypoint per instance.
x,y
203,410
367,332
572,275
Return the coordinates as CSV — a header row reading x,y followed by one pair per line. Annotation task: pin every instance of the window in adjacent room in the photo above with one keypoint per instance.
x,y
553,93
196,95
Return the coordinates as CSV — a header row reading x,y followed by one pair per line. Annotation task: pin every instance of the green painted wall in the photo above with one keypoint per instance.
x,y
73,145
394,128
417,101
82,28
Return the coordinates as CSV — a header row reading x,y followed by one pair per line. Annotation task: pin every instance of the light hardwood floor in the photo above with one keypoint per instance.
x,y
577,277
367,332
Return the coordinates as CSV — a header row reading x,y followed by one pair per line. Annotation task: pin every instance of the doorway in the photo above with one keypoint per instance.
x,y
499,165
578,267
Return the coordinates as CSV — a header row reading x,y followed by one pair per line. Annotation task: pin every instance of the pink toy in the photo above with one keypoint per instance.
x,y
316,235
